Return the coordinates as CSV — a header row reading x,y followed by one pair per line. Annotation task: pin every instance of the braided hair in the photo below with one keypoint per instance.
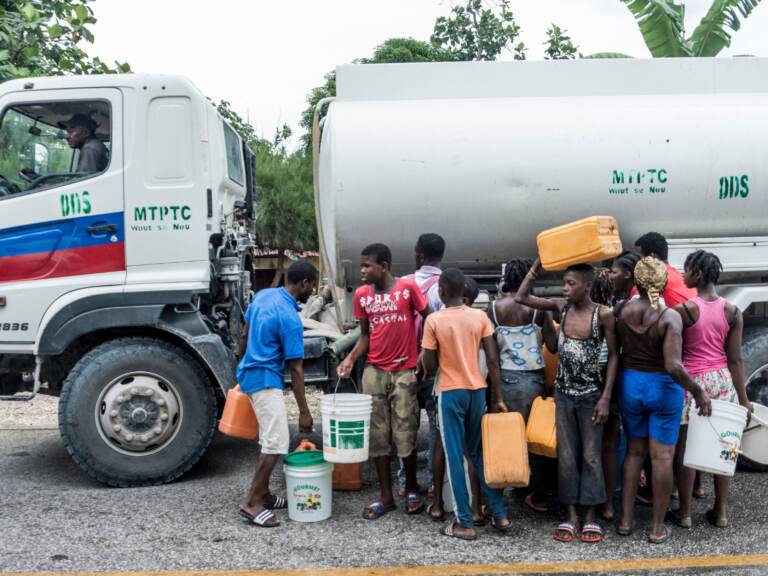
x,y
514,274
627,260
602,287
705,263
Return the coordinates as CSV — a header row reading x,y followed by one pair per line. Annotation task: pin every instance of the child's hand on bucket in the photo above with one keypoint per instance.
x,y
345,368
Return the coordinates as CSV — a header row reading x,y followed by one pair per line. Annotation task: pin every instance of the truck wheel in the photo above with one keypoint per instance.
x,y
136,412
755,354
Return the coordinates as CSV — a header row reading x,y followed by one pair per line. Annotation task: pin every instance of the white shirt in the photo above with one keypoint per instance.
x,y
433,296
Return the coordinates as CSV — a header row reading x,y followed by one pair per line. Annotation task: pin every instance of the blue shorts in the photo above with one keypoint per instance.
x,y
651,404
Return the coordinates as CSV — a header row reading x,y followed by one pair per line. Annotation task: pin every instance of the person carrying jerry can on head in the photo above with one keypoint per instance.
x,y
582,398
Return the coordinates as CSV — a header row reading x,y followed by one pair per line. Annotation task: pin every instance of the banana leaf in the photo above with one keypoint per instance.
x,y
661,23
711,35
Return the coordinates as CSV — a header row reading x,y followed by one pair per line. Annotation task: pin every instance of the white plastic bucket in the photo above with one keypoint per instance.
x,y
309,486
754,444
714,442
346,427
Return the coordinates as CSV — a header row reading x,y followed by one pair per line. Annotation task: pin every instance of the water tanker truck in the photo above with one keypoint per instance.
x,y
489,154
123,281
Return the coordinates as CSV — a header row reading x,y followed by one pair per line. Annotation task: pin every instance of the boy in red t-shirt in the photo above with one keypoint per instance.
x,y
385,307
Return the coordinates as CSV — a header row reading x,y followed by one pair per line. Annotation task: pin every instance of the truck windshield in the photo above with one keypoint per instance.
x,y
48,144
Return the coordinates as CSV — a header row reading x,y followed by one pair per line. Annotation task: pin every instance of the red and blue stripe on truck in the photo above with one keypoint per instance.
x,y
90,244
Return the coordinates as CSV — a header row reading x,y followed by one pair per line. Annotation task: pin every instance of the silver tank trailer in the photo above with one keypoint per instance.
x,y
490,154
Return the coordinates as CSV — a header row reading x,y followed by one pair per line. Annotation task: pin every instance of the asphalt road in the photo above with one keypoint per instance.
x,y
54,518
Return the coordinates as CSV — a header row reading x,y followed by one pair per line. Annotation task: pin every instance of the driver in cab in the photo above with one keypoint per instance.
x,y
81,135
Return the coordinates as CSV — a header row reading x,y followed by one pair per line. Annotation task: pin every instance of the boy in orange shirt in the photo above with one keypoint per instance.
x,y
451,341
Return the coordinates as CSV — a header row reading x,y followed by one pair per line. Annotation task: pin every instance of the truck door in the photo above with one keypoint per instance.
x,y
61,201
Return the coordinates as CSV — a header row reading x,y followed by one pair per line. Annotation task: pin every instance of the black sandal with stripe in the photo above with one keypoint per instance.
x,y
264,519
278,503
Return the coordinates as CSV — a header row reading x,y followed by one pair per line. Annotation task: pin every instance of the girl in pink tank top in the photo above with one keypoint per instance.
x,y
704,340
712,356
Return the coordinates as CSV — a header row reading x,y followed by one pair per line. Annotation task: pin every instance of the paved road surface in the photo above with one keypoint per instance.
x,y
54,518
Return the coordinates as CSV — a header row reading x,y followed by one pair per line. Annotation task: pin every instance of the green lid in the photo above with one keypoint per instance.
x,y
304,458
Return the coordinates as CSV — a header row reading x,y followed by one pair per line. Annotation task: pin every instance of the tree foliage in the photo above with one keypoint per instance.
x,y
558,45
327,90
662,24
285,207
478,30
711,35
241,126
46,37
398,50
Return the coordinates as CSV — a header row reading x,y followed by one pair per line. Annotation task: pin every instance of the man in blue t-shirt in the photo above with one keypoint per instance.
x,y
274,335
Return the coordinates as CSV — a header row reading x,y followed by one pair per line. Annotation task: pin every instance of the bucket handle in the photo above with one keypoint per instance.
x,y
336,388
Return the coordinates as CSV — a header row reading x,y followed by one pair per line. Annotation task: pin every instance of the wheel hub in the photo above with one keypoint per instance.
x,y
138,412
757,385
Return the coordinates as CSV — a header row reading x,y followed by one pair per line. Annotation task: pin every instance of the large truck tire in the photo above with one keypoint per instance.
x,y
755,355
137,412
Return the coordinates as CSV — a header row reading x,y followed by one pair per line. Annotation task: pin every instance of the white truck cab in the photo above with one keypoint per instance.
x,y
126,209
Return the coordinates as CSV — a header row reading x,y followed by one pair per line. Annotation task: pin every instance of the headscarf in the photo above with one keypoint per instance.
x,y
651,278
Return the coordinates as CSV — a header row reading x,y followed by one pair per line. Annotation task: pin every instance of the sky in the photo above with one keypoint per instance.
x,y
265,56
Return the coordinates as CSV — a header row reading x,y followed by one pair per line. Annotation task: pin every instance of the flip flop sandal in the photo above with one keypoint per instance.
x,y
592,533
376,510
661,539
264,519
439,518
565,532
533,506
278,503
715,521
684,522
413,498
501,528
448,530
624,531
